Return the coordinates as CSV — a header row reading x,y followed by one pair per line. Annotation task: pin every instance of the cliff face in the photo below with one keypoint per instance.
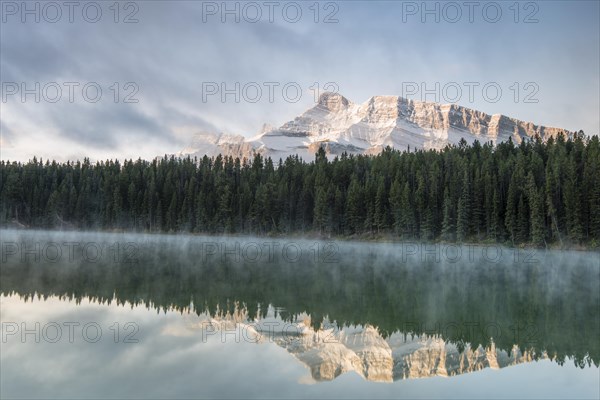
x,y
339,125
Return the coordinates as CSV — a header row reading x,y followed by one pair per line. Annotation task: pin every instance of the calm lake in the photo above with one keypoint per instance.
x,y
105,315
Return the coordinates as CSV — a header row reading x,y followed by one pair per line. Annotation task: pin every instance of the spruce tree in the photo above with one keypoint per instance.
x,y
463,209
448,225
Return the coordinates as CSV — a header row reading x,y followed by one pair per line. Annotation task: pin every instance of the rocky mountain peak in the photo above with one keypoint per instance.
x,y
333,102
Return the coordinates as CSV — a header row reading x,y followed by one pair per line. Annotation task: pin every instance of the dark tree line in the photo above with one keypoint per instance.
x,y
535,192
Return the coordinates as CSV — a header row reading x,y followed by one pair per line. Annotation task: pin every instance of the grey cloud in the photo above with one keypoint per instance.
x,y
105,125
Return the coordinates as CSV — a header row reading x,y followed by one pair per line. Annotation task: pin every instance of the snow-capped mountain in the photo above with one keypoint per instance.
x,y
339,125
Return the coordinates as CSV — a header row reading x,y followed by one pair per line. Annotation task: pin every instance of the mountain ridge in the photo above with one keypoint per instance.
x,y
340,125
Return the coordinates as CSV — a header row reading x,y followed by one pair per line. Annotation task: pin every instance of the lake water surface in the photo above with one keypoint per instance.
x,y
102,315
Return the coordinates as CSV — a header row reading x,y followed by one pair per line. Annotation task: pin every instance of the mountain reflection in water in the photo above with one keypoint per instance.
x,y
381,310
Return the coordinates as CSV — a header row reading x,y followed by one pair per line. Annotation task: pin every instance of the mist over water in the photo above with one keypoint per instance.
x,y
409,287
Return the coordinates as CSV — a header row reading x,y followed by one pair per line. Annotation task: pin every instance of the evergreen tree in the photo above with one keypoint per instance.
x,y
448,225
463,210
354,209
536,212
381,206
396,204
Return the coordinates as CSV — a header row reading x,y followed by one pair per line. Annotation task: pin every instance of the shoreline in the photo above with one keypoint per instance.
x,y
363,238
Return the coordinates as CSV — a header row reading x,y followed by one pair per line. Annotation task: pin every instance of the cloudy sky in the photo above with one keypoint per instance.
x,y
140,79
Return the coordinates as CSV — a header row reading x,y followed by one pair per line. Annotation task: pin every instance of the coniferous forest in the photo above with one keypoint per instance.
x,y
537,193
